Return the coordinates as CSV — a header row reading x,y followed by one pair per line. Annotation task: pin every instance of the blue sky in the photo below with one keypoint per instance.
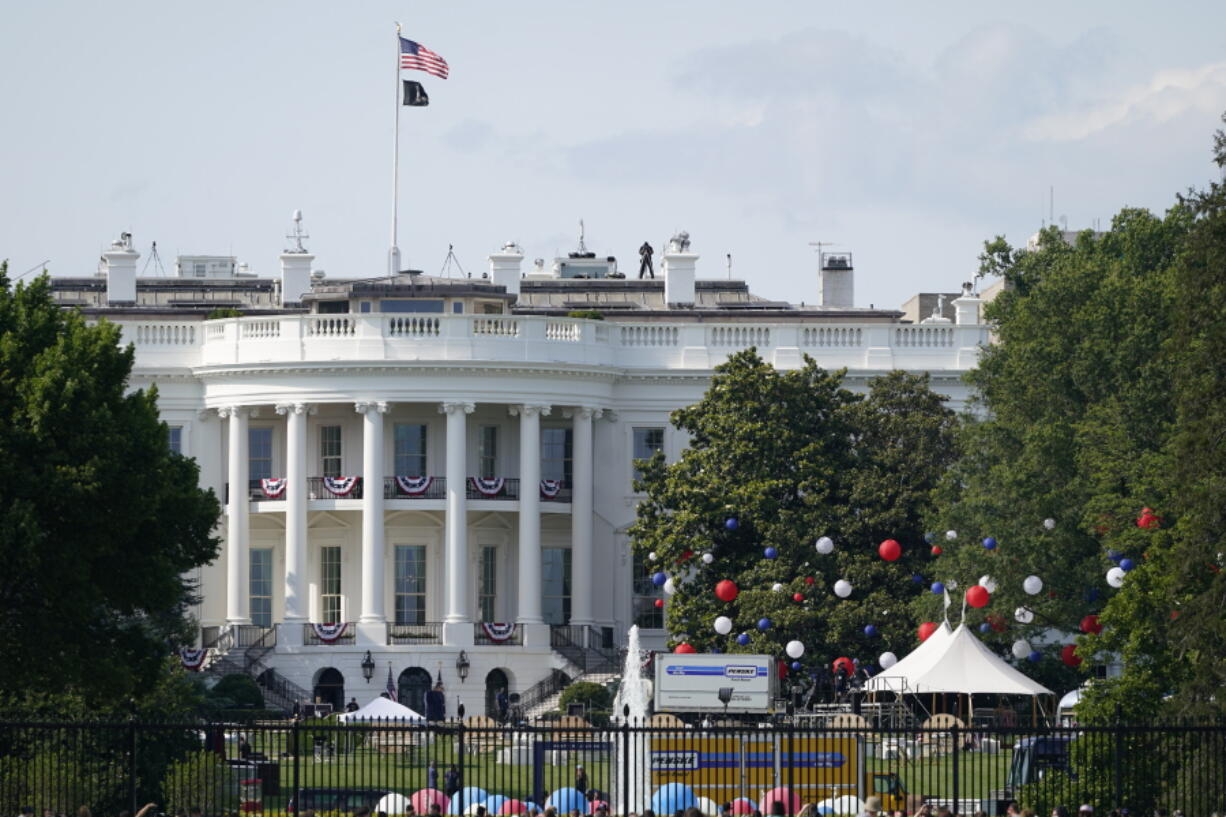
x,y
907,133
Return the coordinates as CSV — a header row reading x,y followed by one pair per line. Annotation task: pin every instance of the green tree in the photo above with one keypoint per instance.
x,y
99,521
792,456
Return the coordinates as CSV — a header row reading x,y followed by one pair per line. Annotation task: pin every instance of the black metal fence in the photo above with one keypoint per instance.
x,y
276,768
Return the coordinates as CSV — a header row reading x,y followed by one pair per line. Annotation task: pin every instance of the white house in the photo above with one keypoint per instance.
x,y
443,466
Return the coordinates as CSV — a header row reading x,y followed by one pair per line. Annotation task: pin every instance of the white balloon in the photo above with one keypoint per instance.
x,y
825,545
651,557
1024,615
887,660
951,585
1021,648
987,583
670,586
1050,524
707,558
794,649
842,588
1115,577
723,625
951,535
1033,585
777,587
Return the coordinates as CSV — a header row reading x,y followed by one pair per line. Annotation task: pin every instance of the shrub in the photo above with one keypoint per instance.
x,y
594,697
587,314
223,312
237,692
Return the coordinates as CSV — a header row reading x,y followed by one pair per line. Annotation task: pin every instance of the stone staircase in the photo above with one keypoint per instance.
x,y
581,654
241,651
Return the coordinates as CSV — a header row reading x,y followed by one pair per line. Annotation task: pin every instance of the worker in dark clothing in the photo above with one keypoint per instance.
x,y
645,253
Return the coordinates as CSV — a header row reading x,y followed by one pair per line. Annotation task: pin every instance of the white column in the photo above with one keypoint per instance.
x,y
236,521
296,607
372,512
581,517
529,513
457,625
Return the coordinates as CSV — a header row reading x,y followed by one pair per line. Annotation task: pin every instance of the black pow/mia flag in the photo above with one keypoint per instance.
x,y
414,94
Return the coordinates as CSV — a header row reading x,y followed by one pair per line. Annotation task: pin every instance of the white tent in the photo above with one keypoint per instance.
x,y
895,678
960,663
382,709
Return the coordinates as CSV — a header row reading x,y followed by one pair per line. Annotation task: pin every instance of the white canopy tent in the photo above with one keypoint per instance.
x,y
382,709
959,663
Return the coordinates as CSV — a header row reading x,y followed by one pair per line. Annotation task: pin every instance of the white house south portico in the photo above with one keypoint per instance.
x,y
433,476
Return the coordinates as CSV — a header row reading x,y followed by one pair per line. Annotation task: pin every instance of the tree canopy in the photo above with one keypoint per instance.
x,y
776,460
99,520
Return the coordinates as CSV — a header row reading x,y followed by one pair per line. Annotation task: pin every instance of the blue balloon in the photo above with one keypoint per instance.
x,y
658,579
730,523
796,666
1035,656
493,802
716,650
929,537
1091,594
1127,564
870,630
770,553
670,798
743,639
984,627
1114,555
989,543
938,588
763,624
465,797
569,799
917,578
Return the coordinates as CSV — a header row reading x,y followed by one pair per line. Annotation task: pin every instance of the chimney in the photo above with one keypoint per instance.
x,y
678,268
836,280
295,266
505,267
966,307
120,262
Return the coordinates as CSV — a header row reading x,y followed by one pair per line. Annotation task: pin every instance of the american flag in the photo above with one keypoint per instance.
x,y
391,687
413,55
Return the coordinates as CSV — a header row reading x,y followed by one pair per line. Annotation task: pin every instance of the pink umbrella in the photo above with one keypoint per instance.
x,y
422,799
780,794
512,807
743,805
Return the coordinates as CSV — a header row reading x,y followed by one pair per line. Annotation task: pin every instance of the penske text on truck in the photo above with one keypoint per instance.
x,y
725,767
691,683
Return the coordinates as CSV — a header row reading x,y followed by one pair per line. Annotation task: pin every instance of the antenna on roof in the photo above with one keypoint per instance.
x,y
297,235
154,258
582,246
448,261
728,256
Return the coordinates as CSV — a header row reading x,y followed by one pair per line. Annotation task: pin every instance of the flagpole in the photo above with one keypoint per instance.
x,y
393,257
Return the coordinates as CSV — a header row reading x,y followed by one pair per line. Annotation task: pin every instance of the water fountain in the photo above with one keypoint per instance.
x,y
631,792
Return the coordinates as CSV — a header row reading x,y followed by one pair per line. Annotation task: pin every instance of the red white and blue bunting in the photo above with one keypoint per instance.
x,y
192,659
340,486
550,487
329,633
273,488
489,487
498,631
414,486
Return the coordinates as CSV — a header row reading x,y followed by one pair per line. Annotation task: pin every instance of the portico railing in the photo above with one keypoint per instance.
x,y
428,632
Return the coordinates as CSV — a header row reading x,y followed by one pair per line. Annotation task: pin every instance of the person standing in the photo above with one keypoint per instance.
x,y
581,780
645,253
432,776
451,781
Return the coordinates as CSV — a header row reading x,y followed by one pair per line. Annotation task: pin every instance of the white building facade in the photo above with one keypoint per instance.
x,y
441,469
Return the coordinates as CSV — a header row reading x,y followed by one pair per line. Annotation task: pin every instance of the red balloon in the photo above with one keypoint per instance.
x,y
659,602
1090,624
726,590
889,550
684,648
936,550
1148,519
808,580
978,596
845,664
997,622
926,629
798,597
783,669
1069,655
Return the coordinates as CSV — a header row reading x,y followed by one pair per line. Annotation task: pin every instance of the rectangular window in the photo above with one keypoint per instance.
x,y
176,439
410,584
556,454
410,449
487,452
402,305
646,613
487,590
647,441
330,450
330,585
555,585
259,453
260,584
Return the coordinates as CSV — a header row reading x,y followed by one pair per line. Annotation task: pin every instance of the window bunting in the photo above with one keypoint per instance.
x,y
340,486
489,487
498,631
273,488
192,659
330,633
414,486
550,487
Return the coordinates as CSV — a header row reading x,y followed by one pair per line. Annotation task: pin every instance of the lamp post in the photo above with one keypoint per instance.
x,y
368,667
462,665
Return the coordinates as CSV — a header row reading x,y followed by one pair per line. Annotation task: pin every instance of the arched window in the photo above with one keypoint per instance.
x,y
330,688
412,687
495,682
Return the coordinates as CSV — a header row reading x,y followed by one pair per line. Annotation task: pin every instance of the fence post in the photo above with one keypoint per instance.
x,y
132,756
627,762
957,754
295,741
460,748
1118,760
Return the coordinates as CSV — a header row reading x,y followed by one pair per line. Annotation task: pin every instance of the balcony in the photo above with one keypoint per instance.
x,y
428,632
327,635
406,488
486,634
